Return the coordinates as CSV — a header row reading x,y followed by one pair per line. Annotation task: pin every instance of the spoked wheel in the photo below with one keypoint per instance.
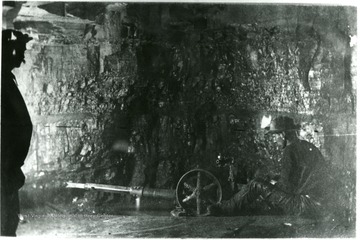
x,y
196,190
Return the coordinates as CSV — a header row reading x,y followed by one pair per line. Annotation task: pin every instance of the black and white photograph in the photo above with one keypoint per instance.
x,y
178,119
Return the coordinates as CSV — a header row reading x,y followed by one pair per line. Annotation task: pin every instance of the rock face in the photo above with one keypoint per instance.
x,y
177,84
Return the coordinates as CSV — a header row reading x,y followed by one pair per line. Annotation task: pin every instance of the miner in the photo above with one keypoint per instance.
x,y
303,186
16,130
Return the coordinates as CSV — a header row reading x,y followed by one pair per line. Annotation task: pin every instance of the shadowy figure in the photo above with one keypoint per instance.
x,y
16,130
304,183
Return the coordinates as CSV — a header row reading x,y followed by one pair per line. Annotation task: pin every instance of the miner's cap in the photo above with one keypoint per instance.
x,y
281,124
12,37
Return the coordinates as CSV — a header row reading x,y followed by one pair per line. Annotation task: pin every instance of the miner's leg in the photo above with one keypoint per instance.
x,y
9,213
241,200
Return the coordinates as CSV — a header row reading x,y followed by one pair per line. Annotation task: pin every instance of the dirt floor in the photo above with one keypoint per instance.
x,y
160,224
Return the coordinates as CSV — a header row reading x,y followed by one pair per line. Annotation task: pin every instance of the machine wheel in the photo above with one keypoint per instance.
x,y
196,190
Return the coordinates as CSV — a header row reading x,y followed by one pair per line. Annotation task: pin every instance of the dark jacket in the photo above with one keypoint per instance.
x,y
16,131
305,178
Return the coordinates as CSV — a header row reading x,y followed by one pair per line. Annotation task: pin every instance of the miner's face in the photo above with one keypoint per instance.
x,y
279,139
18,55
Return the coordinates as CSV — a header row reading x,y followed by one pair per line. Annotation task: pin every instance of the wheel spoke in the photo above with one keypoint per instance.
x,y
209,186
198,194
188,198
189,187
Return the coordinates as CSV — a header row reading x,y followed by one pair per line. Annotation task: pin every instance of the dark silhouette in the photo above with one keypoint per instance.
x,y
16,130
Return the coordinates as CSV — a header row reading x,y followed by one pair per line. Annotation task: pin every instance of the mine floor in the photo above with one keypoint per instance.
x,y
151,224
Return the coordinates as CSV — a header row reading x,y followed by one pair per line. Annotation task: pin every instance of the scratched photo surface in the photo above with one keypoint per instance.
x,y
183,120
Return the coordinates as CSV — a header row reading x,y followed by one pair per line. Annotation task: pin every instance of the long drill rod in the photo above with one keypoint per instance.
x,y
147,192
